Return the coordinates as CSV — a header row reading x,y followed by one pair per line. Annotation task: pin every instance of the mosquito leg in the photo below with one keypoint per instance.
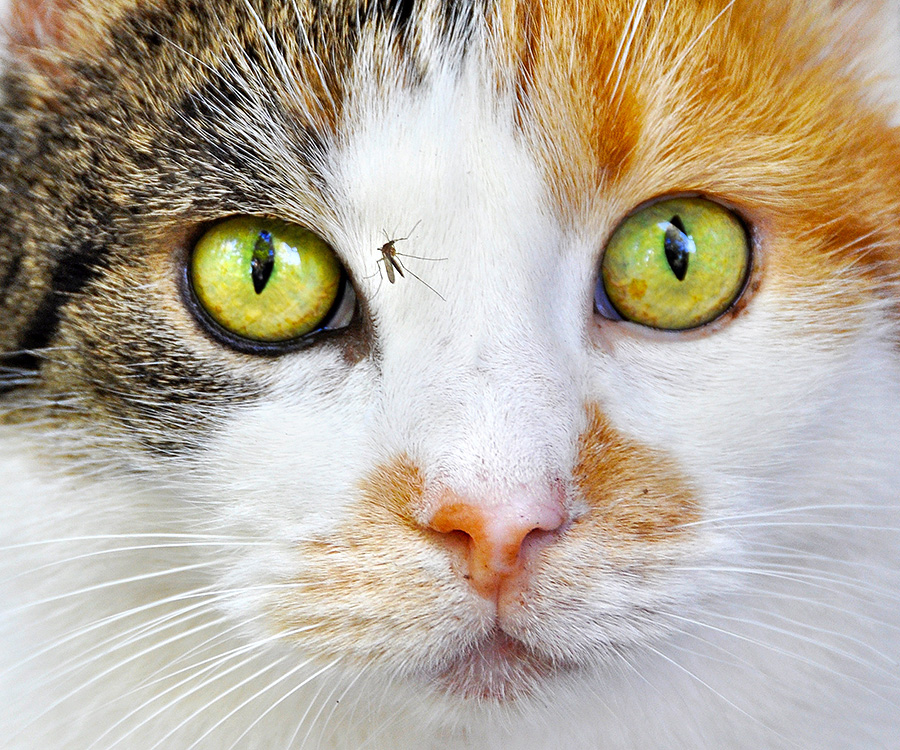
x,y
427,284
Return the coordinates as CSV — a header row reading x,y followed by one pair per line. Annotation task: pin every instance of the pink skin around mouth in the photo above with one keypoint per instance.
x,y
495,541
497,668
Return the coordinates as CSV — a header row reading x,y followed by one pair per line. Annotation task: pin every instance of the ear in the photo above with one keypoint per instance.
x,y
39,27
42,24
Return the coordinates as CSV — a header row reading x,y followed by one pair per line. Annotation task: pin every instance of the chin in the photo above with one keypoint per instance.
x,y
498,670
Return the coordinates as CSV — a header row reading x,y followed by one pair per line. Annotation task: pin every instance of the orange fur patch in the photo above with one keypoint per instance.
x,y
566,82
70,25
391,492
635,494
626,101
357,586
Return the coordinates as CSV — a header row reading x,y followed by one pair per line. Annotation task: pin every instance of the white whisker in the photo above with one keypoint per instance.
x,y
141,577
274,705
716,693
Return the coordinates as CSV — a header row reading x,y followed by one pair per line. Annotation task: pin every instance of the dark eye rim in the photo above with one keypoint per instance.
x,y
250,346
749,285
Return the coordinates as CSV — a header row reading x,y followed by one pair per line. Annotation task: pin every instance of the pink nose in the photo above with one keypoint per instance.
x,y
494,534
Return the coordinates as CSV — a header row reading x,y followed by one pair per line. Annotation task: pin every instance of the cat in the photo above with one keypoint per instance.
x,y
450,374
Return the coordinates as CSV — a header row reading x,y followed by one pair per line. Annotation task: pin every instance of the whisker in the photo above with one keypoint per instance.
x,y
128,638
117,550
183,696
310,704
337,702
620,59
674,68
778,512
193,672
782,651
46,710
274,705
205,707
206,539
87,629
314,58
716,693
119,582
810,580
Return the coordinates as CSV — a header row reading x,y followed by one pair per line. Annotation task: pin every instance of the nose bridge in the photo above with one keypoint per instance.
x,y
499,459
513,384
503,417
481,377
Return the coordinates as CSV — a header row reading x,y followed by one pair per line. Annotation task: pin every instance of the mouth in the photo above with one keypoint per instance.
x,y
498,668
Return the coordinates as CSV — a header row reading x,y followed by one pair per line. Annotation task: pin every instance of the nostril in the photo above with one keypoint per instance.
x,y
538,537
456,540
458,517
495,538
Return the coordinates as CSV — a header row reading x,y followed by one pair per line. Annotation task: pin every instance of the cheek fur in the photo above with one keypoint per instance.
x,y
377,585
382,585
635,495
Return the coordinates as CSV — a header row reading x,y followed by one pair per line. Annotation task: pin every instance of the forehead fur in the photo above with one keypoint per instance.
x,y
179,113
634,100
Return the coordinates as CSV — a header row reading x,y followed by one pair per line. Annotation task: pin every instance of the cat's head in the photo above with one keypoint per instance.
x,y
498,446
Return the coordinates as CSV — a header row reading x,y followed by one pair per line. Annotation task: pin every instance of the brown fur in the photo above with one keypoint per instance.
x,y
118,194
636,495
125,132
792,150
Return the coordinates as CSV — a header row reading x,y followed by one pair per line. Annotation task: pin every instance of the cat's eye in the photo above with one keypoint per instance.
x,y
269,281
675,264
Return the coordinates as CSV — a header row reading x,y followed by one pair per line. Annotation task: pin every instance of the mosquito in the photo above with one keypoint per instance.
x,y
393,266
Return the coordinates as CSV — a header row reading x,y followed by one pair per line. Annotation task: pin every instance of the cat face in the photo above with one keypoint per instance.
x,y
495,473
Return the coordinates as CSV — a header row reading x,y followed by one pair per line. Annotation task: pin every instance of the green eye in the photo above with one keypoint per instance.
x,y
265,280
675,264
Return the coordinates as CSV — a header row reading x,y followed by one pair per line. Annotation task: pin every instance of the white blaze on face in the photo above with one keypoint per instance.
x,y
480,385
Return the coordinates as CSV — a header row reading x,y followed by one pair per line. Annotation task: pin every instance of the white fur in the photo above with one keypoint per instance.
x,y
785,624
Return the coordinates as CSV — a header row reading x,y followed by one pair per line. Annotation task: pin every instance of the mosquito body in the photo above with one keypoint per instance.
x,y
394,267
391,261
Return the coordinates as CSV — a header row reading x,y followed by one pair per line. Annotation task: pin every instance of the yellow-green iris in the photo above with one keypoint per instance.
x,y
263,279
676,264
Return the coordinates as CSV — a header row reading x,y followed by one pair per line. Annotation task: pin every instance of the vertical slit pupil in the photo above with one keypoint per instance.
x,y
262,262
678,247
